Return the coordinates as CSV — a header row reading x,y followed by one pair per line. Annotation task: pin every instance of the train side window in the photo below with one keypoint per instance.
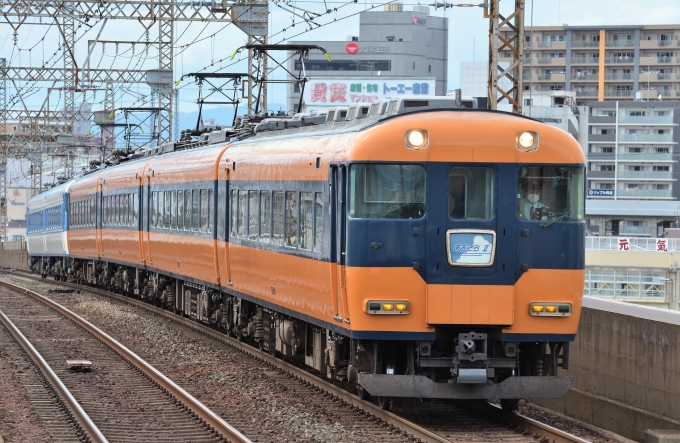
x,y
291,219
204,211
154,208
318,221
125,208
135,208
119,210
211,211
234,212
195,209
161,209
277,237
253,215
265,216
173,209
180,210
242,213
166,218
471,192
306,221
108,210
187,210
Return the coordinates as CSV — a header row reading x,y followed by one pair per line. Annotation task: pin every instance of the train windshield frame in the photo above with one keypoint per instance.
x,y
551,193
387,190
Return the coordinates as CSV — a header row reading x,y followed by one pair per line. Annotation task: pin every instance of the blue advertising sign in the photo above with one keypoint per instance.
x,y
600,193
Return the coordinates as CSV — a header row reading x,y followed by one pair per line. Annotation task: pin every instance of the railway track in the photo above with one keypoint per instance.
x,y
434,421
119,397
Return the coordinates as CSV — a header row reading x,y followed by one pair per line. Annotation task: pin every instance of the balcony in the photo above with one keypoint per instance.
x,y
585,60
554,61
600,156
618,76
584,44
600,174
526,76
619,43
585,77
646,138
645,157
644,193
587,93
616,93
653,94
656,76
645,119
664,59
549,44
635,230
602,119
595,138
619,60
645,175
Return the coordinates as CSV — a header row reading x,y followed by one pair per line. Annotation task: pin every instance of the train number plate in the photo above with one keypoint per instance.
x,y
470,247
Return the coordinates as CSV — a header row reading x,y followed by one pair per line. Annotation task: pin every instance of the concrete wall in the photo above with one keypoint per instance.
x,y
14,259
626,368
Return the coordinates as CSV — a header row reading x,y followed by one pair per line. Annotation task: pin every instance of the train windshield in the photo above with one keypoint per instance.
x,y
387,191
549,193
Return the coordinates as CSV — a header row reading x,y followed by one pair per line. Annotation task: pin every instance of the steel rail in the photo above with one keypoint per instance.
x,y
76,410
522,422
212,419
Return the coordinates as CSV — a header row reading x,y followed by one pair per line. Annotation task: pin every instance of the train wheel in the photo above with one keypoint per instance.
x,y
361,392
509,404
386,403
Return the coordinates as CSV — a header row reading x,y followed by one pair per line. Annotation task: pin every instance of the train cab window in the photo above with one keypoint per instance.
x,y
318,221
242,213
471,191
234,213
306,221
253,219
277,236
291,219
549,193
387,191
180,210
265,216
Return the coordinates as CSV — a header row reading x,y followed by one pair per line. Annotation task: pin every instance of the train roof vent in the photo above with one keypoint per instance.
x,y
331,115
219,136
377,108
299,115
400,105
313,120
357,112
164,149
336,114
270,124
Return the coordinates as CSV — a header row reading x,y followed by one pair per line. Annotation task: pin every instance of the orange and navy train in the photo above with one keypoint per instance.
x,y
433,253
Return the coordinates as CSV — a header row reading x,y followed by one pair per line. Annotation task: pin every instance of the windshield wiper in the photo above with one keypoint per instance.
x,y
546,224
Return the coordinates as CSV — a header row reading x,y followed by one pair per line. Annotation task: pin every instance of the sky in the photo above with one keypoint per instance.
x,y
213,43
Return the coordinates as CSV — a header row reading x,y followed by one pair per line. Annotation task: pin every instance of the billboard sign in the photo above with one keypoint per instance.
x,y
325,92
600,193
17,199
352,48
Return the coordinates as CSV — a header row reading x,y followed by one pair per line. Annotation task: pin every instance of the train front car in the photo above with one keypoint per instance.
x,y
464,255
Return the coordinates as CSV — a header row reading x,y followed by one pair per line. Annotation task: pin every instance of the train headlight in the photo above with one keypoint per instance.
x,y
387,307
417,139
550,309
527,141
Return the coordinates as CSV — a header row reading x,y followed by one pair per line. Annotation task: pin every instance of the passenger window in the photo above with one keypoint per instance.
x,y
234,212
211,210
277,237
187,210
117,209
242,213
204,210
173,209
195,208
318,222
265,216
306,221
135,209
291,219
471,192
154,208
168,202
126,209
253,215
180,210
161,209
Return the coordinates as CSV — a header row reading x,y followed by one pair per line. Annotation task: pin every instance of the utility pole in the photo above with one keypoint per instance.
x,y
515,45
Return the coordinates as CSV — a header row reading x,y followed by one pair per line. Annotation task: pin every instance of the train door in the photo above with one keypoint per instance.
x,y
338,200
471,247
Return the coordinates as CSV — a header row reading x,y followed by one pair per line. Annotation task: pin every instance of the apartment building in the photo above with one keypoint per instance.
x,y
632,166
603,62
